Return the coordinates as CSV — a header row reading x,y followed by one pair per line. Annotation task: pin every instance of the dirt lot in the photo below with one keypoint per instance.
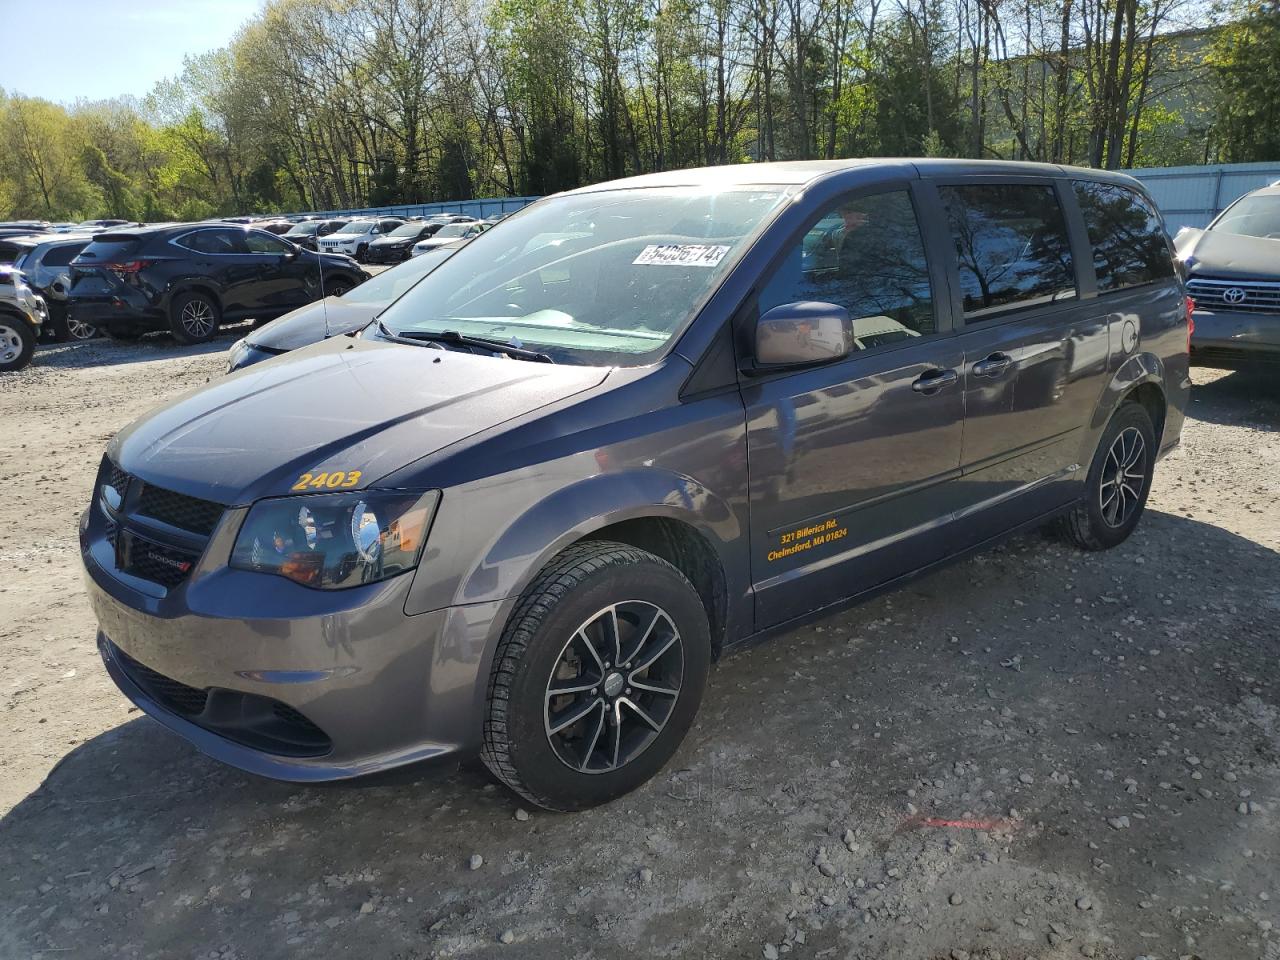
x,y
1035,753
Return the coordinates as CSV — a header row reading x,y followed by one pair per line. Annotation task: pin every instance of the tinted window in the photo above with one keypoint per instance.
x,y
1011,245
213,241
866,255
264,243
109,250
61,256
1129,245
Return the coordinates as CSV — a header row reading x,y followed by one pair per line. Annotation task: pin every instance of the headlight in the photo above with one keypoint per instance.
x,y
332,541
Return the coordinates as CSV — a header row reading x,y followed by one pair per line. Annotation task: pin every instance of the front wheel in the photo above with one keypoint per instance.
x,y
17,343
362,254
193,318
1117,485
597,677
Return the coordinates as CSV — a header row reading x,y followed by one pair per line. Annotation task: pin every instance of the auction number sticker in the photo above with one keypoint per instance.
x,y
332,480
681,255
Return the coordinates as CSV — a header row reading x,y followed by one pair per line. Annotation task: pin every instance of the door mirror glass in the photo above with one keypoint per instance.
x,y
803,332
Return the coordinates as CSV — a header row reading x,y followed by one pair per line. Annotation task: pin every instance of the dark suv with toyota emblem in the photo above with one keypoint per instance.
x,y
643,423
1233,275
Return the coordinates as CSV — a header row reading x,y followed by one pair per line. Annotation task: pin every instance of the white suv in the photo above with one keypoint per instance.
x,y
355,237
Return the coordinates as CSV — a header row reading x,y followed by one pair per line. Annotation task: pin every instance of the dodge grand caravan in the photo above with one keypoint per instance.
x,y
644,422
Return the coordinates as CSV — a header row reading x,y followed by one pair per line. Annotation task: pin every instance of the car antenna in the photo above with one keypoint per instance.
x,y
324,301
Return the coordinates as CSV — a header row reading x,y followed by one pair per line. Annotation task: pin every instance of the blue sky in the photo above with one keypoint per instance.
x,y
68,50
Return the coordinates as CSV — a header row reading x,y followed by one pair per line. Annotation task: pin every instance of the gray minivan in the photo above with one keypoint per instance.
x,y
642,423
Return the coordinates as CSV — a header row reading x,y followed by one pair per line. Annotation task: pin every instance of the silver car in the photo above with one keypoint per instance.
x,y
22,315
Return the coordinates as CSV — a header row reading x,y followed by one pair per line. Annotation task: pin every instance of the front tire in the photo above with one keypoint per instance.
x,y
17,343
1118,483
194,318
597,677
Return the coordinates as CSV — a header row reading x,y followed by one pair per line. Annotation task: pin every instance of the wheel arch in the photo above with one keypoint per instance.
x,y
183,287
1140,379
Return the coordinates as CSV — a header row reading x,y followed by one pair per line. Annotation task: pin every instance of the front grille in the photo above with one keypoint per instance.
x,y
1240,296
153,554
179,510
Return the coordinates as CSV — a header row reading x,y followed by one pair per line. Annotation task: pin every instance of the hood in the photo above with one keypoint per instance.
x,y
428,242
308,325
392,242
1229,255
345,404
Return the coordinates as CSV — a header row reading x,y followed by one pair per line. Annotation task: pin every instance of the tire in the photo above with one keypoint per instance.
x,y
1109,513
564,615
362,254
17,343
194,318
68,329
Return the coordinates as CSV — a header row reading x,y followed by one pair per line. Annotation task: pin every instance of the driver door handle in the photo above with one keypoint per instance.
x,y
933,381
993,366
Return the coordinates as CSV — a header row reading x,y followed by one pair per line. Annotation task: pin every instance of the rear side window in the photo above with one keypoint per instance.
x,y
1128,238
214,241
865,255
1011,245
108,251
61,256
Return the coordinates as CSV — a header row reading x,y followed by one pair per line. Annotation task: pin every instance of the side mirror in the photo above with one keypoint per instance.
x,y
292,252
802,333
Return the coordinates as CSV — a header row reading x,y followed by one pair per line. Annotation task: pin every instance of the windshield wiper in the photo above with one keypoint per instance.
x,y
453,338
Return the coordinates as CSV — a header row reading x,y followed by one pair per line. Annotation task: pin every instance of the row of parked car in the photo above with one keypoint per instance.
x,y
125,279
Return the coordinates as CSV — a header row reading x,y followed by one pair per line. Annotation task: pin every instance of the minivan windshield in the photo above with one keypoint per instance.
x,y
356,226
595,278
1252,216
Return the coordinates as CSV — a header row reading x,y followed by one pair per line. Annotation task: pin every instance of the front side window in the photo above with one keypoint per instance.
x,y
866,255
258,242
1127,236
606,277
1011,246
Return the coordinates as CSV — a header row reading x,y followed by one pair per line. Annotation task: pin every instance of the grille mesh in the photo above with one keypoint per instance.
x,y
157,562
178,697
179,510
1243,296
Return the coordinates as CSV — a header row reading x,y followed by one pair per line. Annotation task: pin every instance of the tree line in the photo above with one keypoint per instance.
x,y
327,104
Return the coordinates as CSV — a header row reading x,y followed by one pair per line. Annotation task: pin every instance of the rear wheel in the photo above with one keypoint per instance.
x,y
1117,485
597,678
17,343
66,327
193,318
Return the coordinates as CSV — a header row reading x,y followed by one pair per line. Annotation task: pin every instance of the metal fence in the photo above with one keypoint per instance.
x,y
489,207
1188,196
1192,196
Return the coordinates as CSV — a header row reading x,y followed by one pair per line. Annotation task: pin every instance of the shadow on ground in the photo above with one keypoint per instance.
x,y
1026,686
1249,397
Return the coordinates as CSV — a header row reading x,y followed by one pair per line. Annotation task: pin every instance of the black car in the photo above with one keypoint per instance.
x,y
304,234
188,278
397,245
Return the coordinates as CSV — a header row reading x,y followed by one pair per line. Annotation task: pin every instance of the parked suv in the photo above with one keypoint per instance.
x,y
355,237
1233,274
515,515
189,278
22,314
396,246
306,233
46,264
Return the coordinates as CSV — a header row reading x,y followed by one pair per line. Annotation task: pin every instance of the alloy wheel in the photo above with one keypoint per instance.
x,y
1123,474
614,686
197,318
79,330
10,343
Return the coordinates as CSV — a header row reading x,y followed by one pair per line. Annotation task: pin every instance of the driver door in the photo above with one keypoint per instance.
x,y
853,465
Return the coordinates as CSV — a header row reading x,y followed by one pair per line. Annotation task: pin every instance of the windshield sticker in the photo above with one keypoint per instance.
x,y
681,255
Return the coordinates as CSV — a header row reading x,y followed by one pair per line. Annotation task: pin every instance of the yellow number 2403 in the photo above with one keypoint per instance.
x,y
335,480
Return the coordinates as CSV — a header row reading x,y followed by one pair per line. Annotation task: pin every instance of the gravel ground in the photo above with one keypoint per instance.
x,y
1034,753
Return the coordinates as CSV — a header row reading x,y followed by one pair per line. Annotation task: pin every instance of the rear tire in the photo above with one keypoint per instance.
x,y
17,343
594,604
1118,483
194,318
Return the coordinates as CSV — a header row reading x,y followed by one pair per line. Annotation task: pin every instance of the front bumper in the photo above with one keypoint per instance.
x,y
376,254
292,683
1226,335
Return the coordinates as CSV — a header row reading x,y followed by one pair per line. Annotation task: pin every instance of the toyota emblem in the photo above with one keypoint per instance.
x,y
1234,295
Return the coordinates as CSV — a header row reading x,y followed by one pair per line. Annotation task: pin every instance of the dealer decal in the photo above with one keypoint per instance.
x,y
681,255
791,542
332,480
